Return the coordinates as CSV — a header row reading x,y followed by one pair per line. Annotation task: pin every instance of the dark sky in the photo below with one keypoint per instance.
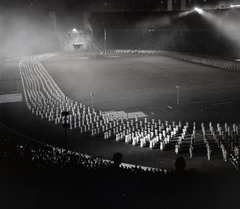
x,y
69,6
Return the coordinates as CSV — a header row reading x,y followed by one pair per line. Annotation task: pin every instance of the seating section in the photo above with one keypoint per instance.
x,y
177,31
43,155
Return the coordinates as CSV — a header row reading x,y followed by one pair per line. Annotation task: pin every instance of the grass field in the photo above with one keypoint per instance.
x,y
148,83
131,83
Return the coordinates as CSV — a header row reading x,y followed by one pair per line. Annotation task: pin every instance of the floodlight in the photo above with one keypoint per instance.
x,y
200,11
233,6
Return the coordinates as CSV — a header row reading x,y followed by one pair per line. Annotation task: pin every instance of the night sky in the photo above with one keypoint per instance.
x,y
73,6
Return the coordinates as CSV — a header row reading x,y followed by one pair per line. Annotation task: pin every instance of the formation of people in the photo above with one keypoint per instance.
x,y
223,139
45,99
204,60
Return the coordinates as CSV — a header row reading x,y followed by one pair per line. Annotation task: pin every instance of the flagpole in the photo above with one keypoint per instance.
x,y
177,87
105,41
92,99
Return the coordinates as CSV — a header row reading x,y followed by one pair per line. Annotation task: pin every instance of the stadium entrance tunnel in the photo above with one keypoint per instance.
x,y
78,46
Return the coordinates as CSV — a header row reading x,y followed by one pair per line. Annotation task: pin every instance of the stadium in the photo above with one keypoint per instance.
x,y
131,99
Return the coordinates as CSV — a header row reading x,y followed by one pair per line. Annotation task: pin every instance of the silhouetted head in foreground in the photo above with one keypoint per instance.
x,y
180,164
117,159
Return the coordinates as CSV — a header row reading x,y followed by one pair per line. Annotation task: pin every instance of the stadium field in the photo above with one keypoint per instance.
x,y
133,83
136,83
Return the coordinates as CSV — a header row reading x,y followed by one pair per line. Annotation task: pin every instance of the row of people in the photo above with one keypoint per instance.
x,y
227,139
227,149
210,61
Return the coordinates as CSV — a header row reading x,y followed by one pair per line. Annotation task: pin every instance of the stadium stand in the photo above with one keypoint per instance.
x,y
168,31
40,154
42,175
